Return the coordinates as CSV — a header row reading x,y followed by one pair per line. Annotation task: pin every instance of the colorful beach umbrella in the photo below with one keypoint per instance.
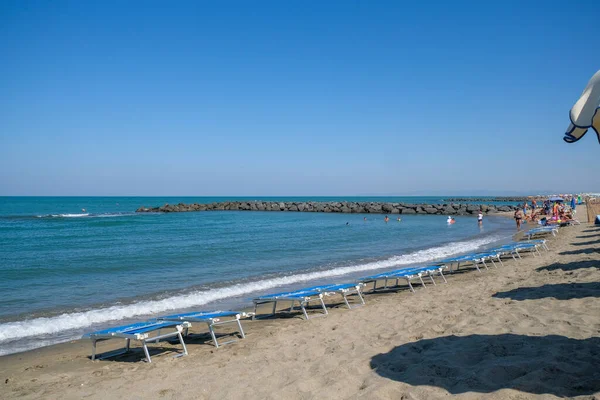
x,y
585,113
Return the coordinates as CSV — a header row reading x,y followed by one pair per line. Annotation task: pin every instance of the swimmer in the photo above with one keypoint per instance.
x,y
83,209
399,219
450,220
365,219
386,219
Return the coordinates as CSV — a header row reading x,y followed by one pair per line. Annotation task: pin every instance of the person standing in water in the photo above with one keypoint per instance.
x,y
480,218
518,218
386,219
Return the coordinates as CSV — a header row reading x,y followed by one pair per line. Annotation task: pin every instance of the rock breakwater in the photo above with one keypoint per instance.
x,y
347,207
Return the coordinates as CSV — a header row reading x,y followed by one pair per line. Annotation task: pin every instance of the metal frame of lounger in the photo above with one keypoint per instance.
x,y
515,247
538,231
303,297
532,247
211,319
456,260
506,250
138,332
475,259
542,242
408,274
344,289
385,276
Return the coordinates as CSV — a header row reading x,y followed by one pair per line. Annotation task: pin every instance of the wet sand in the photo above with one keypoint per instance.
x,y
528,329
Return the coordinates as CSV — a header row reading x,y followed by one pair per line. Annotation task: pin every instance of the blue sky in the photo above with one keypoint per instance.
x,y
294,98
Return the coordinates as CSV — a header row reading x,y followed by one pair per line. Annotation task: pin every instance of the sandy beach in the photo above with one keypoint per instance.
x,y
529,329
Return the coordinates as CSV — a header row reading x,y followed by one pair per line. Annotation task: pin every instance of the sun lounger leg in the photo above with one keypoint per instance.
x,y
412,289
127,344
239,323
145,345
182,343
254,314
93,349
212,334
422,283
346,300
431,277
500,259
362,300
274,307
443,277
323,305
302,305
477,266
385,283
292,306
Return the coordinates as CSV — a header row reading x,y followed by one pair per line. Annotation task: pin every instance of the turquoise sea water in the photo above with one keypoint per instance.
x,y
65,271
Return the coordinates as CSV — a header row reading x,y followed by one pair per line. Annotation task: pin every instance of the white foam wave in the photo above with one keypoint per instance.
x,y
79,320
106,215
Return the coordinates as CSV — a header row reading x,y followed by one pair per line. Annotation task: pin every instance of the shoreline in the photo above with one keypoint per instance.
x,y
545,303
350,271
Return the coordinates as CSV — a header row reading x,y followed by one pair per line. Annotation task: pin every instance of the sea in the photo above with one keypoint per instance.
x,y
73,265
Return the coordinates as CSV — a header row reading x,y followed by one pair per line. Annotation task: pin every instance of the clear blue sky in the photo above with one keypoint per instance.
x,y
294,98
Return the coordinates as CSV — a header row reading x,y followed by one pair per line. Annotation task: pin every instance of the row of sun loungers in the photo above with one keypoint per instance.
x,y
177,325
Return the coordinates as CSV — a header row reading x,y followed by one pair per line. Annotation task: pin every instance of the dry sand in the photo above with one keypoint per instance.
x,y
530,329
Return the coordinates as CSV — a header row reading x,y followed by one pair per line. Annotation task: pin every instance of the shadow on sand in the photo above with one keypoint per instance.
x,y
597,230
589,250
570,266
560,291
589,243
486,363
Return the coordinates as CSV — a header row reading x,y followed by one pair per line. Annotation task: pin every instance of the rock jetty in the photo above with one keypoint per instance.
x,y
518,199
335,207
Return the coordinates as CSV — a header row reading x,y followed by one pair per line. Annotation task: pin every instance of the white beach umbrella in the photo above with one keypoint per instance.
x,y
585,113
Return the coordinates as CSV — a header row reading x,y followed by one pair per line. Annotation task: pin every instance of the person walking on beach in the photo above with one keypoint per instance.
x,y
518,218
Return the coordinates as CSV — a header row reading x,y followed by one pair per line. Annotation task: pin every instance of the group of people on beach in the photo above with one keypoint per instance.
x,y
550,212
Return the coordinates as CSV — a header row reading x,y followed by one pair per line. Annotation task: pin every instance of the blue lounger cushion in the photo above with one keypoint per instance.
x,y
290,295
389,274
132,329
200,315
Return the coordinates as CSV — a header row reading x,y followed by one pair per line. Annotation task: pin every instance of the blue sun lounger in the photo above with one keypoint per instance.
x,y
139,332
408,274
303,297
311,294
514,248
475,259
542,242
344,289
538,231
386,276
212,319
